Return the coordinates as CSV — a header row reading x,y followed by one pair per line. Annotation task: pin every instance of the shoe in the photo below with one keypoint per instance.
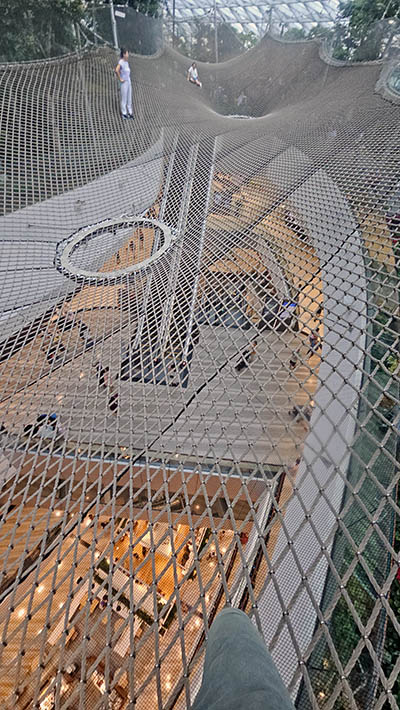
x,y
130,115
124,115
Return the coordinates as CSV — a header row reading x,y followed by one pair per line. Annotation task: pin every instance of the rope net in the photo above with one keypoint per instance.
x,y
199,377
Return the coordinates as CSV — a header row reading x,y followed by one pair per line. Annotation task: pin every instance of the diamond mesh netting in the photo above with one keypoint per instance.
x,y
199,377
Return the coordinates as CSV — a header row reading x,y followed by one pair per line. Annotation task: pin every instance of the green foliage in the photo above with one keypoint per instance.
x,y
317,32
36,29
345,632
295,33
248,39
392,363
147,7
182,46
392,641
201,45
203,42
321,32
367,29
363,13
363,30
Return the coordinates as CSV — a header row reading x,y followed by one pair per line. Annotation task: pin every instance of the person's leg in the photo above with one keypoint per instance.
x,y
123,89
129,99
239,673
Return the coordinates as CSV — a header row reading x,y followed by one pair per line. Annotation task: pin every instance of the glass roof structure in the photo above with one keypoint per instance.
x,y
257,13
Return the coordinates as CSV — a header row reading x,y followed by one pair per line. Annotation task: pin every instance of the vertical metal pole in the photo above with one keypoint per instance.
x,y
216,31
173,23
114,25
94,26
78,36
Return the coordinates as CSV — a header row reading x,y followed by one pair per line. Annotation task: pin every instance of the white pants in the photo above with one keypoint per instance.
x,y
126,98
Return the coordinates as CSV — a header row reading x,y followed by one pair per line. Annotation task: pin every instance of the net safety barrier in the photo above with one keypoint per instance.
x,y
199,377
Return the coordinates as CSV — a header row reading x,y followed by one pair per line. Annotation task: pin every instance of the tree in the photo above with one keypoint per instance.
x,y
367,25
295,33
146,7
320,32
36,29
203,42
248,39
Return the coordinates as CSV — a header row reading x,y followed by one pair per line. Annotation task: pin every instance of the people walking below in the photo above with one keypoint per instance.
x,y
247,357
123,72
47,427
84,333
193,75
302,413
113,402
54,349
314,343
295,412
294,359
103,374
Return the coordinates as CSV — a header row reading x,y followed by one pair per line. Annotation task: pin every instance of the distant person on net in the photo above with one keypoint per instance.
x,y
123,72
239,673
193,75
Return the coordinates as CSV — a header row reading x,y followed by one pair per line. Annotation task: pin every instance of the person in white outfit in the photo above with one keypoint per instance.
x,y
123,71
193,75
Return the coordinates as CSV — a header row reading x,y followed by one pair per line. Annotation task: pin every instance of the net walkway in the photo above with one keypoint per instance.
x,y
199,389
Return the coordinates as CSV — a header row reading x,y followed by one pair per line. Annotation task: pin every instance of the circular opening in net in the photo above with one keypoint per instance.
x,y
113,248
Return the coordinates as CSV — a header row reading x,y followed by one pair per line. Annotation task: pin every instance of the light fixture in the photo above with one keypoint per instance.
x,y
21,613
40,588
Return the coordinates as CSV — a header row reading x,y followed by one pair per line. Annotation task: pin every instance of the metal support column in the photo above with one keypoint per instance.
x,y
216,31
173,21
114,25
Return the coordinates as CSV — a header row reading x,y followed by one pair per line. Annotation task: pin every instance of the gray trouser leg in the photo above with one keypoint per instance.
x,y
129,98
124,96
239,673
